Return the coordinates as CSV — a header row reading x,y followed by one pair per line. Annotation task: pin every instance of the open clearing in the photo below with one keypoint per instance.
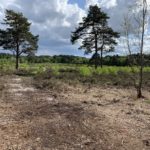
x,y
72,118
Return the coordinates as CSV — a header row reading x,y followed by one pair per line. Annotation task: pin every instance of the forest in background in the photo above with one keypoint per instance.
x,y
114,60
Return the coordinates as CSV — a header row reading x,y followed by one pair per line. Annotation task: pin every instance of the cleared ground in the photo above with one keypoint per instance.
x,y
73,117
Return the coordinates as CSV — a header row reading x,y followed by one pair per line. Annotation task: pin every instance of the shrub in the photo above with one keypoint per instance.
x,y
85,71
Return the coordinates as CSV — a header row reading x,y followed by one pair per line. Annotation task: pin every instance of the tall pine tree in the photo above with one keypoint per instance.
x,y
17,36
95,34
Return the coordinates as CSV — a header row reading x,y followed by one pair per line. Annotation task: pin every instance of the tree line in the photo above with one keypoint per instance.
x,y
114,60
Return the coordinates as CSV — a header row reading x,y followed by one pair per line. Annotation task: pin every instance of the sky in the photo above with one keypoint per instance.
x,y
54,20
81,3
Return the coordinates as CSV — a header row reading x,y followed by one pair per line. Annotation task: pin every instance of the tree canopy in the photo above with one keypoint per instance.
x,y
95,34
17,36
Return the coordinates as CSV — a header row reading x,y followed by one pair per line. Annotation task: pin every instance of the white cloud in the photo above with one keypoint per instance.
x,y
102,3
116,9
54,20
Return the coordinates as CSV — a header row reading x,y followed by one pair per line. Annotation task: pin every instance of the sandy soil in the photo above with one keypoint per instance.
x,y
88,118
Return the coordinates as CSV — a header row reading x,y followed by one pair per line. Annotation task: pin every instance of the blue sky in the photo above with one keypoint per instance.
x,y
53,21
81,3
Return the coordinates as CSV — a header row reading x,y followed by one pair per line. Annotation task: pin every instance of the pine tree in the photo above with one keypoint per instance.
x,y
17,36
95,34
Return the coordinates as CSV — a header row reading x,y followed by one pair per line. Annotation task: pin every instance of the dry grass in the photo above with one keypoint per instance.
x,y
69,117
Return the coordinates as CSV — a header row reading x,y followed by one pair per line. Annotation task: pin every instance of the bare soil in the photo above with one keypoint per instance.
x,y
72,118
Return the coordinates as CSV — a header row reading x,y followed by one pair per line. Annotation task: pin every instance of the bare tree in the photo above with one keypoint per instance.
x,y
134,27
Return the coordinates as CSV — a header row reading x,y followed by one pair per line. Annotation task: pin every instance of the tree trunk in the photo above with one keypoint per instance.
x,y
17,57
101,58
96,52
139,91
139,88
17,62
96,60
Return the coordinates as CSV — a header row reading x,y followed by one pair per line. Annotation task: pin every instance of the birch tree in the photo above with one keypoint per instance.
x,y
134,26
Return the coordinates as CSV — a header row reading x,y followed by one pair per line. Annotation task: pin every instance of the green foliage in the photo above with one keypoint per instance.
x,y
147,101
17,36
72,73
35,68
85,71
95,34
67,59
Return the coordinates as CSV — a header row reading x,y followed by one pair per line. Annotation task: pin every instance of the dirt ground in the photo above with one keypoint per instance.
x,y
75,118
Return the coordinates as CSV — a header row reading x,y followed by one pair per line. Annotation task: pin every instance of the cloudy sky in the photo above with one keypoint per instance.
x,y
53,20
